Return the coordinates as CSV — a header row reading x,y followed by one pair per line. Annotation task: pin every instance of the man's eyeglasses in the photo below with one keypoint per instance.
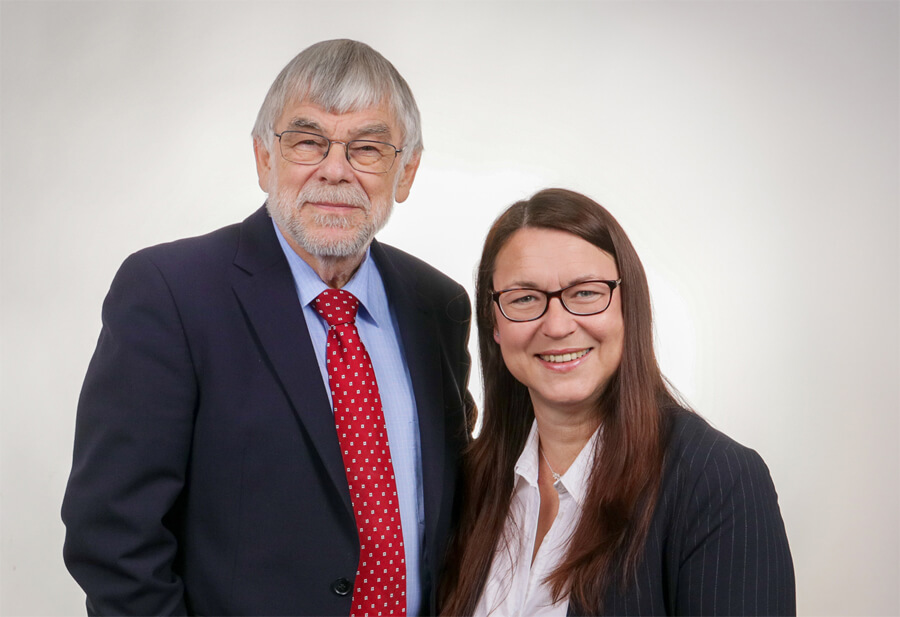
x,y
584,298
371,157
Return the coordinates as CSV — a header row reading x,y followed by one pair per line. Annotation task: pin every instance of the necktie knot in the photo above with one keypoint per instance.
x,y
337,306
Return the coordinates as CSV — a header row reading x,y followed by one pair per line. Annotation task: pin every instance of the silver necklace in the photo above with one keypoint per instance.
x,y
555,475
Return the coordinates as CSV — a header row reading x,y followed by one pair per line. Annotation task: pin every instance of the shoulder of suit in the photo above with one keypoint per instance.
x,y
424,273
432,286
404,260
213,246
223,239
693,446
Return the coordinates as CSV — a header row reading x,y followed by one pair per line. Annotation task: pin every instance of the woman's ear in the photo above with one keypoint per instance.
x,y
496,335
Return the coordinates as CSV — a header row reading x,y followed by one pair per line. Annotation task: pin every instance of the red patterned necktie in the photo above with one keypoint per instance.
x,y
380,586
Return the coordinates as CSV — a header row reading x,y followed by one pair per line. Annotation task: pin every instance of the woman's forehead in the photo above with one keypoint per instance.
x,y
533,256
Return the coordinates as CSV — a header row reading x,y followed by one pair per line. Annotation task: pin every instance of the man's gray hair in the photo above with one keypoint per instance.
x,y
341,76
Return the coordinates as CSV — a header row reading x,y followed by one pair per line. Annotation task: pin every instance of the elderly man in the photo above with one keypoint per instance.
x,y
272,419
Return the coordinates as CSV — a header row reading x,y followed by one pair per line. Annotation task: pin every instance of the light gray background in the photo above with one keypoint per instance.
x,y
750,149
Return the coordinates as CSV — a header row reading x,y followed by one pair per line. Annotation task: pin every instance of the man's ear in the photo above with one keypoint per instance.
x,y
407,175
263,163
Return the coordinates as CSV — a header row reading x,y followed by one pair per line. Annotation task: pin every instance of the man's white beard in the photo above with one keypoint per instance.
x,y
286,213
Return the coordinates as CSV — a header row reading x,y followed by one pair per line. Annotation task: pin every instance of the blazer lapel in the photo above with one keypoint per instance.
x,y
270,303
419,339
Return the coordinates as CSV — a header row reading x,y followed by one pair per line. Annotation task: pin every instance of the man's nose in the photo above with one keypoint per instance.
x,y
335,167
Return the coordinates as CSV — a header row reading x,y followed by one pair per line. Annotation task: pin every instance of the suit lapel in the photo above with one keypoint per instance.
x,y
420,345
266,293
270,303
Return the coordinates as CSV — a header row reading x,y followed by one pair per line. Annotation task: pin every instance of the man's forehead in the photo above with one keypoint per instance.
x,y
378,119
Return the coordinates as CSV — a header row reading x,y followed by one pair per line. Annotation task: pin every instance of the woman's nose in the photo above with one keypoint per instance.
x,y
557,322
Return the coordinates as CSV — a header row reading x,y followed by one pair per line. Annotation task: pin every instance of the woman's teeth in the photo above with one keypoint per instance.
x,y
566,357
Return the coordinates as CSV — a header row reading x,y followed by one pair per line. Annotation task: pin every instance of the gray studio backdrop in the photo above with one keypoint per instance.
x,y
749,148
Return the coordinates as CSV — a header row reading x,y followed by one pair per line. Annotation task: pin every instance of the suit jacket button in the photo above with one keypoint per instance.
x,y
341,587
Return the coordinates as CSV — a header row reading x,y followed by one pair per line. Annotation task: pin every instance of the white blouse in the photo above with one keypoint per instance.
x,y
515,585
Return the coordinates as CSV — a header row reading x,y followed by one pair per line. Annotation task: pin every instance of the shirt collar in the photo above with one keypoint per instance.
x,y
527,465
577,476
364,284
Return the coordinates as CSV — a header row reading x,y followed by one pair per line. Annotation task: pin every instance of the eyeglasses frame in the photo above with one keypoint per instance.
x,y
613,285
346,145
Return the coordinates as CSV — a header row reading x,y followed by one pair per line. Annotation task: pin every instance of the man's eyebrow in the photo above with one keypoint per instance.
x,y
303,124
375,129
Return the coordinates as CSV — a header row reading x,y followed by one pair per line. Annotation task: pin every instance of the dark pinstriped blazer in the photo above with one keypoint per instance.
x,y
717,544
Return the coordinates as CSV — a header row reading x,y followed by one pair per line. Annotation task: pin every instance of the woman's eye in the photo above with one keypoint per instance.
x,y
523,300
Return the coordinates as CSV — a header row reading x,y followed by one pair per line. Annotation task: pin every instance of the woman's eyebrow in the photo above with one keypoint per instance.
x,y
590,277
526,284
522,284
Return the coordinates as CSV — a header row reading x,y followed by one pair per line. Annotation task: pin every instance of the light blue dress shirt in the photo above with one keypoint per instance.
x,y
378,330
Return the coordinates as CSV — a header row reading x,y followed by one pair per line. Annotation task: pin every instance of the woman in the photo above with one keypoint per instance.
x,y
590,489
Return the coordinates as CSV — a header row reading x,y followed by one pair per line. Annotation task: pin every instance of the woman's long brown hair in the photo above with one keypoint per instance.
x,y
625,475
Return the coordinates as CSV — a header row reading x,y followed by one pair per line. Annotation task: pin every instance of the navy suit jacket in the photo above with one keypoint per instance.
x,y
207,476
717,544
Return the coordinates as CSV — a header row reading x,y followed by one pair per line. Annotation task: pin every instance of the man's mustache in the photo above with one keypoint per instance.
x,y
350,195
